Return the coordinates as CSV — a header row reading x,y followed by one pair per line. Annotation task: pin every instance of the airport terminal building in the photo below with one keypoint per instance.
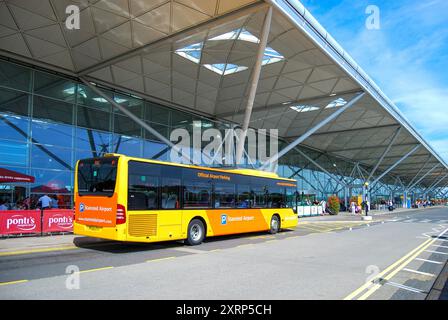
x,y
73,93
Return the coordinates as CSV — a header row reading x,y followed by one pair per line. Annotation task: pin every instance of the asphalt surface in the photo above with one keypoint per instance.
x,y
396,256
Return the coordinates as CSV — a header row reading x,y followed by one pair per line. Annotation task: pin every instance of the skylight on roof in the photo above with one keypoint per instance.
x,y
304,108
238,34
193,52
336,103
225,69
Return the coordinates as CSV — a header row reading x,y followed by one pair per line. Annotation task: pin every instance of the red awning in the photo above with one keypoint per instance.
x,y
13,176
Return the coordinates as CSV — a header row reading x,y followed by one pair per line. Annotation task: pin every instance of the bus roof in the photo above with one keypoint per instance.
x,y
246,172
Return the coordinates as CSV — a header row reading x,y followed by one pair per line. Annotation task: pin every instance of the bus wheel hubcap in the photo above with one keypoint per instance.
x,y
195,232
274,224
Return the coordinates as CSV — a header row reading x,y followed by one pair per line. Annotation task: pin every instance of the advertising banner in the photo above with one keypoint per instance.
x,y
96,211
20,221
58,220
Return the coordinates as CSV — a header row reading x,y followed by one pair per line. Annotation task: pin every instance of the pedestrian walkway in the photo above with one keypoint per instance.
x,y
27,245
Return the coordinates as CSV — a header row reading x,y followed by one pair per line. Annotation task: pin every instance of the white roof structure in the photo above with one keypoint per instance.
x,y
198,55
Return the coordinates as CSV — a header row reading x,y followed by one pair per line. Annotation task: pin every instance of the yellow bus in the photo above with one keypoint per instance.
x,y
130,199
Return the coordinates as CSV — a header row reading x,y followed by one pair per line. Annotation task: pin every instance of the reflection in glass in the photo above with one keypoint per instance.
x,y
13,153
13,127
50,109
89,98
94,119
53,134
14,76
52,86
127,145
96,141
48,157
13,101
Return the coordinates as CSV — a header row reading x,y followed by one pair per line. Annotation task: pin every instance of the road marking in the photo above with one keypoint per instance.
x,y
13,253
371,286
97,269
425,221
160,259
12,282
245,245
443,240
430,261
371,282
419,272
437,252
215,250
400,267
439,246
190,250
401,286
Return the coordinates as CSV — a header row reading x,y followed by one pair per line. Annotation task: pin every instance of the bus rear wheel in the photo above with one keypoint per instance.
x,y
275,225
195,232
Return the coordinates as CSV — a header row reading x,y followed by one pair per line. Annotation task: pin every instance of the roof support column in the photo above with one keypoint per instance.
x,y
384,153
320,167
133,117
418,173
254,84
396,164
436,184
310,132
424,176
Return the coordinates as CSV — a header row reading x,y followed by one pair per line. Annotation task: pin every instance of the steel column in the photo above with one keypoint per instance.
x,y
436,184
312,131
132,116
397,132
254,83
396,164
424,176
419,171
320,167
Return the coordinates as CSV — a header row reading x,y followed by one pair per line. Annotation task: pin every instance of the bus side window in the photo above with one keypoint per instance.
x,y
243,198
170,193
142,192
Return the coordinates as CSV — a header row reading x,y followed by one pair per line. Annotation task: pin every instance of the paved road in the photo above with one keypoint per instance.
x,y
398,255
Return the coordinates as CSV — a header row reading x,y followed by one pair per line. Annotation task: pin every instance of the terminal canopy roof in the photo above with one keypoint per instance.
x,y
198,55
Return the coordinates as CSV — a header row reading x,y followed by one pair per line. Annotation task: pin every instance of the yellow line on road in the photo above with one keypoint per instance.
x,y
245,245
160,259
368,284
12,282
96,269
399,268
13,253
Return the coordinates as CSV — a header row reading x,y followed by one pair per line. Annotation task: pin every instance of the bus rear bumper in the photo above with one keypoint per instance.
x,y
110,233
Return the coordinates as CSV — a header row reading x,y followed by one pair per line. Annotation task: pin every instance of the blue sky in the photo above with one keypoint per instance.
x,y
407,57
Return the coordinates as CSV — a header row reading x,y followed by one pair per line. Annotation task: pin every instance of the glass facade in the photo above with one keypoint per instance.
x,y
48,122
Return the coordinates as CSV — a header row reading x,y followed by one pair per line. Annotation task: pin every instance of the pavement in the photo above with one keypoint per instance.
x,y
395,256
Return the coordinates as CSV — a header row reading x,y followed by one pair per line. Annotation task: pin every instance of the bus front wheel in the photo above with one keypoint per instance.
x,y
275,225
196,232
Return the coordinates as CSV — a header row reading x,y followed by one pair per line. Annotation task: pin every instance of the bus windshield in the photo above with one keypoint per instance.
x,y
97,177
